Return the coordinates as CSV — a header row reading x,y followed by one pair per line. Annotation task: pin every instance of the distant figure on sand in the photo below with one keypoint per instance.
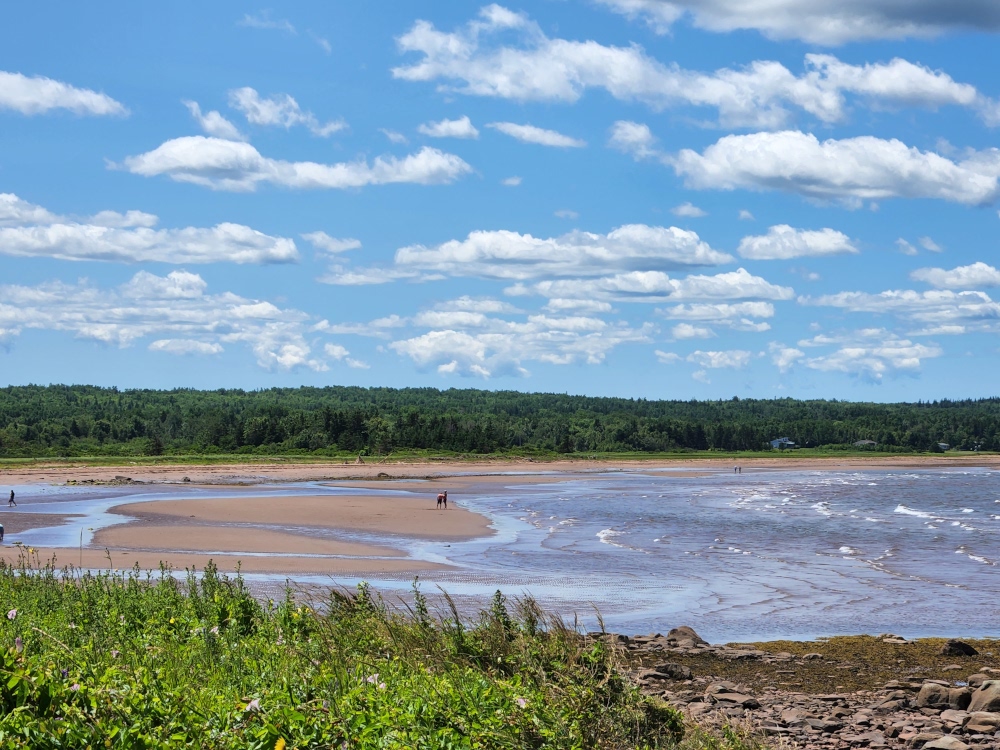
x,y
443,499
1,533
11,503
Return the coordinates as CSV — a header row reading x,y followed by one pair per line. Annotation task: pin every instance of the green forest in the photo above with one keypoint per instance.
x,y
80,421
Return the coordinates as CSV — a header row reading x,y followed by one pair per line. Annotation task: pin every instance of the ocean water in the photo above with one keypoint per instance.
x,y
763,554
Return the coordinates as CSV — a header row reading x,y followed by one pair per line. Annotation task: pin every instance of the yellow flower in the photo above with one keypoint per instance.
x,y
171,620
280,744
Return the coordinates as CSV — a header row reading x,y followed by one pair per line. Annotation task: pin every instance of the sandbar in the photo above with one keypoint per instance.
x,y
402,516
230,539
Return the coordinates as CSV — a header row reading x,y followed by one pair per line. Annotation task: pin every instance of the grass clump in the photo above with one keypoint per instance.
x,y
134,659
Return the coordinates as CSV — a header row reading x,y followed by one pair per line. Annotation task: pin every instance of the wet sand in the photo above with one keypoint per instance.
x,y
408,517
14,522
98,559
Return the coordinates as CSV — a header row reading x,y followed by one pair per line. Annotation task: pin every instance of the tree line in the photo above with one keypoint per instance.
x,y
64,420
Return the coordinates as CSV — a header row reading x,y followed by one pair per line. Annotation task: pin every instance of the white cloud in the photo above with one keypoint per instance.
x,y
701,376
335,351
656,286
870,354
333,245
905,247
850,170
37,94
784,357
393,136
509,255
280,110
719,312
633,138
817,21
501,347
687,331
566,213
938,311
540,136
977,274
228,165
174,308
263,20
783,242
745,215
735,359
688,210
27,230
185,346
533,67
667,358
476,304
560,305
324,44
928,244
214,124
460,128
511,181
357,364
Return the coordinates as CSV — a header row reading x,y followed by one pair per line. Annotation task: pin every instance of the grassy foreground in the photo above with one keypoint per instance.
x,y
142,660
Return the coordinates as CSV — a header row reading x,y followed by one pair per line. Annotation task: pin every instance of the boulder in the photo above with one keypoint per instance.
x,y
986,697
933,695
666,672
957,648
983,722
685,637
975,680
946,743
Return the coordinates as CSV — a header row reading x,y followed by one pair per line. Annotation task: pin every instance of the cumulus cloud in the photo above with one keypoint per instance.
x,y
784,357
688,210
975,275
333,245
783,242
656,286
394,136
735,359
279,110
740,316
477,59
539,136
227,165
214,124
511,181
174,308
939,311
502,347
27,230
460,128
849,170
869,354
745,215
687,331
827,22
185,346
566,213
930,245
36,95
510,255
905,247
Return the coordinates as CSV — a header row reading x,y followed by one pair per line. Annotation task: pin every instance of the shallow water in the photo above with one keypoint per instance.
x,y
758,555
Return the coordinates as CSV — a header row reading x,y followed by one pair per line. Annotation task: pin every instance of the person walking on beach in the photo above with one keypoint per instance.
x,y
11,503
1,533
443,499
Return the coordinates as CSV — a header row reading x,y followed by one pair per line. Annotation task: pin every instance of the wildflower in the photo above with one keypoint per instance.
x,y
381,686
114,653
372,678
18,644
280,744
214,630
253,705
75,686
65,673
521,702
11,614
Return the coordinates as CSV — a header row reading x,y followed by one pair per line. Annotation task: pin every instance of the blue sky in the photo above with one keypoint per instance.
x,y
689,199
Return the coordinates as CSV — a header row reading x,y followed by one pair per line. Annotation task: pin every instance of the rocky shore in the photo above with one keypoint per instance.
x,y
845,692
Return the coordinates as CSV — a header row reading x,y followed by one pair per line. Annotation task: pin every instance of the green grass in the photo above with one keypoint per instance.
x,y
143,660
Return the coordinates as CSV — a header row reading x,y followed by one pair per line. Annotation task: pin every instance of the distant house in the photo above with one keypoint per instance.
x,y
782,443
865,444
944,446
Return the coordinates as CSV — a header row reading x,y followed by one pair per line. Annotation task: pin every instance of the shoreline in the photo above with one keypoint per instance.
x,y
274,471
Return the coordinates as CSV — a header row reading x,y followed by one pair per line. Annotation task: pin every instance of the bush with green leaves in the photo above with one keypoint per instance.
x,y
127,659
